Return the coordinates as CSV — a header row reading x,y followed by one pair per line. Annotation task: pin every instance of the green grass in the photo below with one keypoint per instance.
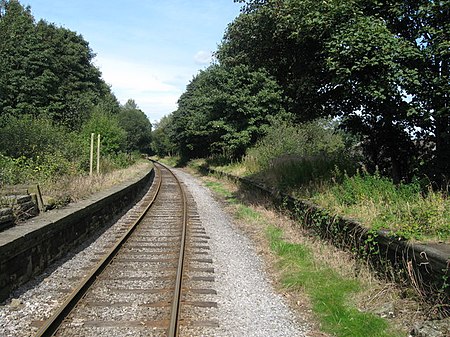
x,y
403,210
171,161
329,292
247,213
221,190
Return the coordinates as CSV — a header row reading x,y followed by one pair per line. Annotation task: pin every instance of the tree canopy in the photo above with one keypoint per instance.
x,y
138,127
225,110
52,97
380,67
46,71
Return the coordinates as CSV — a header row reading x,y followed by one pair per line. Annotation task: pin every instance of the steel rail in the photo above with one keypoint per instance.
x,y
175,310
51,326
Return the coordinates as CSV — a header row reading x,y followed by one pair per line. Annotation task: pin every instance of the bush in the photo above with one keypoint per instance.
x,y
112,135
117,161
10,170
296,155
32,137
34,149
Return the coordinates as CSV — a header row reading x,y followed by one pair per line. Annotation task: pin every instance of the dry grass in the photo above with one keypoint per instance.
x,y
72,189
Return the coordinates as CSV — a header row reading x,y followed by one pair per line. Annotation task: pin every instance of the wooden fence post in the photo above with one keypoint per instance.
x,y
92,154
98,154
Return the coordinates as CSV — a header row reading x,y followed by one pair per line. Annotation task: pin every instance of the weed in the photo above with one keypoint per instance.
x,y
327,289
315,161
300,156
66,189
402,210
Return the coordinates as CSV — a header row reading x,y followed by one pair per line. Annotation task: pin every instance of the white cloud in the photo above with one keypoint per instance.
x,y
130,75
155,89
203,57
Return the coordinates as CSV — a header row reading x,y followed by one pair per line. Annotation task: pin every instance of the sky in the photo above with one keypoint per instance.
x,y
147,50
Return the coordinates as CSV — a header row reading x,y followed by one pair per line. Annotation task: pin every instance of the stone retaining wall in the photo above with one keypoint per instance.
x,y
426,267
26,250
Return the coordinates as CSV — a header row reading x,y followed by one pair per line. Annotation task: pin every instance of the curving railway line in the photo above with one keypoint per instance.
x,y
156,280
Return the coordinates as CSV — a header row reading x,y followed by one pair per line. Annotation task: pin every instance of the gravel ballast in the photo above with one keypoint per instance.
x,y
247,304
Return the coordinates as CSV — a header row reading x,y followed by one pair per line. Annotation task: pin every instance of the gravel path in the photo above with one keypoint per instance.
x,y
247,303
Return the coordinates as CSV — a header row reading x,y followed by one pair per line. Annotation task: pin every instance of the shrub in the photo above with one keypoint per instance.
x,y
112,135
295,155
33,137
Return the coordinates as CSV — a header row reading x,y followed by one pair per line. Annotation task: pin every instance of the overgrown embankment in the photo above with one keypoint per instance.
x,y
314,276
314,172
319,163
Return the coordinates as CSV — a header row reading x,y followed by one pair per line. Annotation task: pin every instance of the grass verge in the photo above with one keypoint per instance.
x,y
403,210
301,270
327,290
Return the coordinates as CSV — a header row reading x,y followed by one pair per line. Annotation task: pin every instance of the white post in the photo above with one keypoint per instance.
x,y
98,154
91,162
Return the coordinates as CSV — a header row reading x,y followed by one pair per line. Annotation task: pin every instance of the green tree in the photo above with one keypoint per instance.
x,y
19,81
46,70
381,65
287,38
224,111
425,24
138,127
366,59
162,144
113,136
77,85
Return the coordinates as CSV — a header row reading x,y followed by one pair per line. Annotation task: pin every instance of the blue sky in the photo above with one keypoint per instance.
x,y
147,50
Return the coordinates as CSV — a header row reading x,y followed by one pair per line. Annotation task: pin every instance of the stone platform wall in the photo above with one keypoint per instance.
x,y
26,250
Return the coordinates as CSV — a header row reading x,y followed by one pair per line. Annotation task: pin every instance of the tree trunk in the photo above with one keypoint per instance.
x,y
442,152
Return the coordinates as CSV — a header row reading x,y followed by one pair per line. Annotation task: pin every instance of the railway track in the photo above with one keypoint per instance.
x,y
156,280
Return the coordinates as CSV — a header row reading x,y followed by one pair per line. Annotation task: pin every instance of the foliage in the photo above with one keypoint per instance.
x,y
32,137
13,171
287,39
403,210
383,67
295,156
366,59
113,137
51,98
138,127
116,161
35,149
425,25
225,110
162,144
42,168
46,71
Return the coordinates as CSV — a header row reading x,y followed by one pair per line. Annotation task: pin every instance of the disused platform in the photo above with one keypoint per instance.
x,y
27,249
